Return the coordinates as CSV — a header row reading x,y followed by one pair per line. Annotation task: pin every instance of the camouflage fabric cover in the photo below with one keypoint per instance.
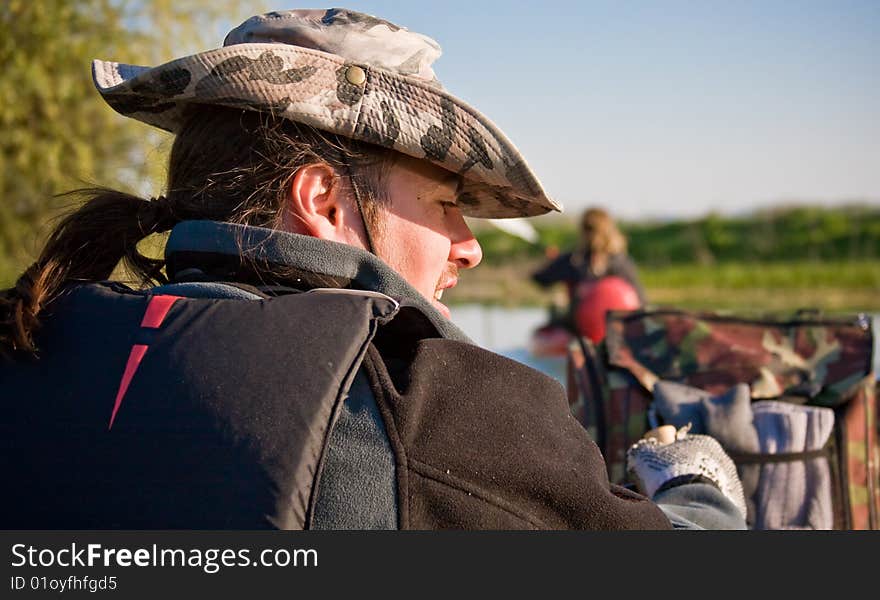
x,y
826,362
347,73
822,359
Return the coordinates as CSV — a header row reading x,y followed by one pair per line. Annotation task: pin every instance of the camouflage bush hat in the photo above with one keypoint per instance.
x,y
343,72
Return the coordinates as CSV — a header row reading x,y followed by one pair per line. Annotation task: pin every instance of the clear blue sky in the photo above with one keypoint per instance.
x,y
670,108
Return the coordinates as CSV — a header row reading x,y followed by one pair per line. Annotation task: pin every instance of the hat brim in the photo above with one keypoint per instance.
x,y
316,88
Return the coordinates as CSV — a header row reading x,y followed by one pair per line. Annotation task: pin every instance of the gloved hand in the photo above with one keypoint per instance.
x,y
665,454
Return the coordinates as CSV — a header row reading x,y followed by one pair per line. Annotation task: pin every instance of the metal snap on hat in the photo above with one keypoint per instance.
x,y
343,72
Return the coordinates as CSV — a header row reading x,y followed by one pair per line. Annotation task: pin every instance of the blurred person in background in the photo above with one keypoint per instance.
x,y
598,275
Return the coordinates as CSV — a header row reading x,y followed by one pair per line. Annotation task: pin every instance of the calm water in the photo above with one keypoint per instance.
x,y
507,331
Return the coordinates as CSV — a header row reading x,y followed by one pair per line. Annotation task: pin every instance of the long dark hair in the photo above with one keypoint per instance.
x,y
600,239
225,165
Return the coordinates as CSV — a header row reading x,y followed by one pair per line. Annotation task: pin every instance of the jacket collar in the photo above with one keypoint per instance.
x,y
211,250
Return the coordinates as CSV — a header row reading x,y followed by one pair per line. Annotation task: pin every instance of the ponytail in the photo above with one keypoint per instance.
x,y
226,164
87,245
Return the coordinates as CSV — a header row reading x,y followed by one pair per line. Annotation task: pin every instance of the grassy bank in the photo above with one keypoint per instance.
x,y
795,235
775,260
835,286
830,286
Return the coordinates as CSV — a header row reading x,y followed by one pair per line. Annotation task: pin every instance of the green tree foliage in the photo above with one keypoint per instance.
x,y
57,132
783,234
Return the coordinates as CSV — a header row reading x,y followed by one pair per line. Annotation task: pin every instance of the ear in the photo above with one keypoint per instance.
x,y
317,206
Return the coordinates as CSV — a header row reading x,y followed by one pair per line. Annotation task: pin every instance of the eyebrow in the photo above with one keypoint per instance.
x,y
457,179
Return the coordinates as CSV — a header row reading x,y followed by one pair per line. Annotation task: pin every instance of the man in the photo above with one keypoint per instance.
x,y
298,369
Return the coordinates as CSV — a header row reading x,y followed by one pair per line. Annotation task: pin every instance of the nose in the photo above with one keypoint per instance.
x,y
465,250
